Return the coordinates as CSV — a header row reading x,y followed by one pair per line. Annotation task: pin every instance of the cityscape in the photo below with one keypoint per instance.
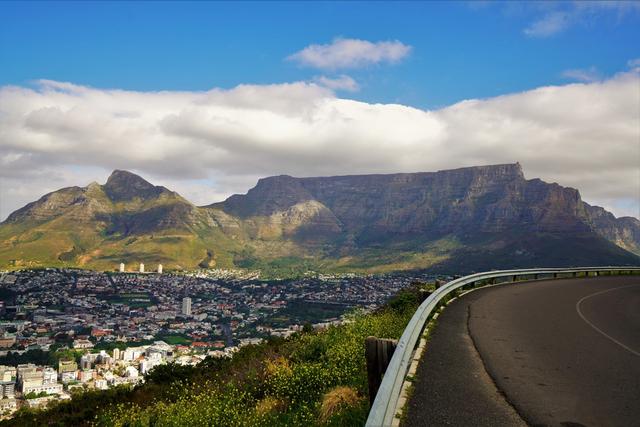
x,y
319,213
103,329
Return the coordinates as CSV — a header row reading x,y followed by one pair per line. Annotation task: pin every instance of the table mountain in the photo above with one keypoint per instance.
x,y
455,220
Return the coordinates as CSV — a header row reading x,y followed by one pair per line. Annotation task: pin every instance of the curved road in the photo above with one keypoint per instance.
x,y
546,353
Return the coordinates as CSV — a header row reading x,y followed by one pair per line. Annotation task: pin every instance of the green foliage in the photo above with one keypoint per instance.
x,y
281,382
34,395
38,357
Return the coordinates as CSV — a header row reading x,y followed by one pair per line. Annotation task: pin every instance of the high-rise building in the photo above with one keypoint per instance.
x,y
159,268
141,268
122,267
85,362
186,306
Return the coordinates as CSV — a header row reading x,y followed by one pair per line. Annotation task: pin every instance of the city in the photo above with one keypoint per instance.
x,y
101,329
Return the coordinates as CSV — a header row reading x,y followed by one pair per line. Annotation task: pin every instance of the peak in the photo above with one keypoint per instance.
x,y
118,174
125,185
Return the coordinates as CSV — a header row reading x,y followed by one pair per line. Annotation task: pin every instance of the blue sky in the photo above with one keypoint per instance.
x,y
459,50
207,97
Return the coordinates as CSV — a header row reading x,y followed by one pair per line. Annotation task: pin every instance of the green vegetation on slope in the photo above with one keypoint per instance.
x,y
312,378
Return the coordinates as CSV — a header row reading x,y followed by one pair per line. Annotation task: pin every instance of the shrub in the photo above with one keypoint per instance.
x,y
336,399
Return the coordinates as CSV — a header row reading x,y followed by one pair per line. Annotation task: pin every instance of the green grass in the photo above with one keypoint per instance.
x,y
175,339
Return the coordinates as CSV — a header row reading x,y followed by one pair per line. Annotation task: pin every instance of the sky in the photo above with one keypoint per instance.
x,y
206,98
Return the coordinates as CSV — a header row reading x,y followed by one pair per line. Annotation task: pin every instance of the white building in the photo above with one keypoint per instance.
x,y
159,268
49,376
131,372
186,306
141,268
122,267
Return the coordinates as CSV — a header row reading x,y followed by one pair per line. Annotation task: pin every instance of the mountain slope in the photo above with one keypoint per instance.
x,y
463,220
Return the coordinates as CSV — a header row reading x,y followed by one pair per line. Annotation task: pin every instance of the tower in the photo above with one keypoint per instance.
x,y
122,267
186,306
159,268
141,268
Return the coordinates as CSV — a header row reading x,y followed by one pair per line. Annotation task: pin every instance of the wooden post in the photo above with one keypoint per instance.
x,y
378,353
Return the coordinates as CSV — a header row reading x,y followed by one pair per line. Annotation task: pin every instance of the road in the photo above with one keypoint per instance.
x,y
546,353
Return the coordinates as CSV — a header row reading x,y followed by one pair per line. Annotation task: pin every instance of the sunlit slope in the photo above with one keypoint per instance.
x,y
457,220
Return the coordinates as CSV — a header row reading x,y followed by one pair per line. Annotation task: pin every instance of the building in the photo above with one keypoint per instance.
x,y
85,362
159,268
49,376
80,343
116,353
7,373
67,366
8,405
122,267
186,306
7,389
141,268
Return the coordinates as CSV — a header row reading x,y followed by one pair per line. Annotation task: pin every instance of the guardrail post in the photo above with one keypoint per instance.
x,y
555,275
514,278
378,353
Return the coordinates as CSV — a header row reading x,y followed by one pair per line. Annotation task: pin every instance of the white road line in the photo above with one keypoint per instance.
x,y
630,350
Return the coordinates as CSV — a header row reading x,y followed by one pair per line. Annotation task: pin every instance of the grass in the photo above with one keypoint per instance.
x,y
175,339
314,378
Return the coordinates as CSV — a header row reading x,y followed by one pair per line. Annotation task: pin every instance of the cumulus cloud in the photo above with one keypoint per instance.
x,y
208,145
350,53
588,75
342,82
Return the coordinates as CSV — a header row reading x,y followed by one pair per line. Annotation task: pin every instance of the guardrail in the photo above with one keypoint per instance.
x,y
385,405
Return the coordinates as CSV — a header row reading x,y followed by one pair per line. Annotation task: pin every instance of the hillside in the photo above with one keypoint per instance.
x,y
465,219
312,378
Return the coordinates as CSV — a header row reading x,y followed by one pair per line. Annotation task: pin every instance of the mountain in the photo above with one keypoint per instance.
x,y
455,220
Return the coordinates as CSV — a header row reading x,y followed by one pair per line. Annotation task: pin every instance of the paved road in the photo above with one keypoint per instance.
x,y
561,353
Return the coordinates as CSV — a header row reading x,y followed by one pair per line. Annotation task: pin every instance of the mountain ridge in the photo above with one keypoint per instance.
x,y
462,219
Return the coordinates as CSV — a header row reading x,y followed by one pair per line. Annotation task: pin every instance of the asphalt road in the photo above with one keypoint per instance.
x,y
551,353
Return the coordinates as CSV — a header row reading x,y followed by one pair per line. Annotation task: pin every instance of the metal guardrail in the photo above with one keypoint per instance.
x,y
384,407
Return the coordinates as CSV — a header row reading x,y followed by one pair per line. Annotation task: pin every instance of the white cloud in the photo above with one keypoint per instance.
x,y
549,25
587,75
350,53
210,144
342,82
560,16
634,64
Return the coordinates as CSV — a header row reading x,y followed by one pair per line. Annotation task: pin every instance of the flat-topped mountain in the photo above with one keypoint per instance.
x,y
455,220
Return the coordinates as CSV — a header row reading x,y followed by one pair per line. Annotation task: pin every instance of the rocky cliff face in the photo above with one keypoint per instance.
x,y
486,199
624,231
454,220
